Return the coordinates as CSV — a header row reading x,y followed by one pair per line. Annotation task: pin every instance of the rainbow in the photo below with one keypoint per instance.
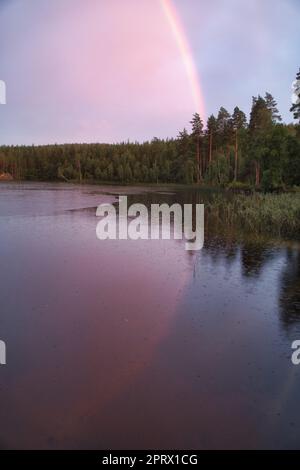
x,y
186,53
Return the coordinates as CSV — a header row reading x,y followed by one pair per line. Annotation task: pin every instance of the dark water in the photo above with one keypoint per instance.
x,y
141,344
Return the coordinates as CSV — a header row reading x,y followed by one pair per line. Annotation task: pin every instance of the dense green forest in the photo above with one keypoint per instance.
x,y
263,153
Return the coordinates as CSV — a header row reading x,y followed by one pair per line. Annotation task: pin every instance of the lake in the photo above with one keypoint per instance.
x,y
142,344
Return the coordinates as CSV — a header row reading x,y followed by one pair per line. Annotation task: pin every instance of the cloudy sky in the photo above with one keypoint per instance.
x,y
112,70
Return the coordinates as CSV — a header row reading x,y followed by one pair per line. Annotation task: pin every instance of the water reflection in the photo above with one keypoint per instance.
x,y
142,344
289,293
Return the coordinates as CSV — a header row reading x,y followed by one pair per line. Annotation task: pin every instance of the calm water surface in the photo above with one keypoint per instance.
x,y
141,344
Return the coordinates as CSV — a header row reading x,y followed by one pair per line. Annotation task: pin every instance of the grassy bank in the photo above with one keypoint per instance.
x,y
276,214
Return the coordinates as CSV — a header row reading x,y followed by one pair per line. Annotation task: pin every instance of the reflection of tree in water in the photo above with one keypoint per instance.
x,y
221,248
289,296
223,242
254,256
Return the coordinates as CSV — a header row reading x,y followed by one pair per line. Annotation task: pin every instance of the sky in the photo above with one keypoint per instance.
x,y
117,70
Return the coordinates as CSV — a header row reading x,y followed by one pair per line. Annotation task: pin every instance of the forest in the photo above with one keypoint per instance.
x,y
230,151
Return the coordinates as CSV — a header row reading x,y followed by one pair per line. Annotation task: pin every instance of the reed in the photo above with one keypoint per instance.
x,y
277,214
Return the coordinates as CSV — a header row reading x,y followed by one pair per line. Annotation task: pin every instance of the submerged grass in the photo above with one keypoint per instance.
x,y
276,214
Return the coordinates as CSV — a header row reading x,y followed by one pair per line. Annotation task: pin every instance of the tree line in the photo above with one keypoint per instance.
x,y
229,150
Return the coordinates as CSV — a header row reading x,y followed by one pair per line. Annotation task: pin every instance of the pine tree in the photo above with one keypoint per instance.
x,y
260,126
211,131
239,121
260,117
223,120
197,134
296,106
272,107
224,130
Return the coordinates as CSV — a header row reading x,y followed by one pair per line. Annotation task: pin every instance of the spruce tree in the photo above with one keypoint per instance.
x,y
272,107
296,106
